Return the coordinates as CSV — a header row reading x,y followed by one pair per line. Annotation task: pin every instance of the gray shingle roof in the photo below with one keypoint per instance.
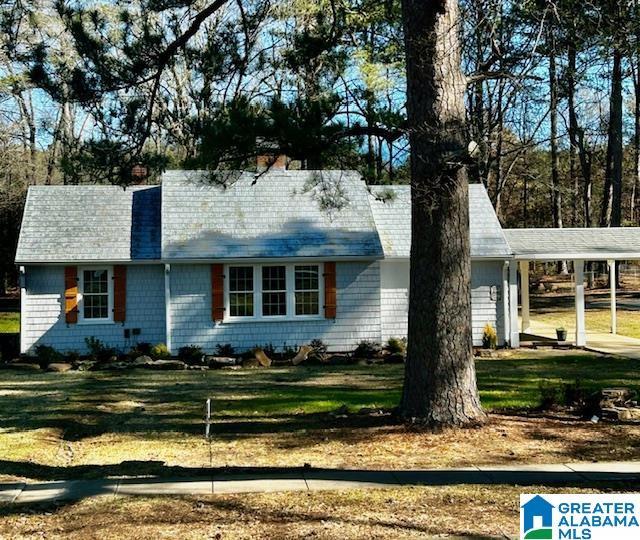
x,y
279,214
393,219
90,223
589,244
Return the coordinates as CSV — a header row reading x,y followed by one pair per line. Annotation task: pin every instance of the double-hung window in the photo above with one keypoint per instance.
x,y
270,291
274,291
96,295
307,289
241,291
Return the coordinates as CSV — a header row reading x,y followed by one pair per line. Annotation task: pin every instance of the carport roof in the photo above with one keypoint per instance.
x,y
610,243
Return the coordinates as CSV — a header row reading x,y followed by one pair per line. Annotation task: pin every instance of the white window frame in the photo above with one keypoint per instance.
x,y
81,317
227,293
257,293
320,314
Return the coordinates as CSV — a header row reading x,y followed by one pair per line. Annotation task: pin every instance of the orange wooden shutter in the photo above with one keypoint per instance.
x,y
119,293
330,297
71,294
217,292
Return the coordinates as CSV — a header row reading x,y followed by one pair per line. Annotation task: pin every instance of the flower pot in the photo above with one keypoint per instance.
x,y
561,334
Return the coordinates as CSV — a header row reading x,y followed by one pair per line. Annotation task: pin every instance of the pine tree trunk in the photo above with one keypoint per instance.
x,y
616,134
440,380
556,193
576,136
611,214
636,141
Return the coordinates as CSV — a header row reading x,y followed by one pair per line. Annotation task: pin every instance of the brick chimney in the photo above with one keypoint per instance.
x,y
273,162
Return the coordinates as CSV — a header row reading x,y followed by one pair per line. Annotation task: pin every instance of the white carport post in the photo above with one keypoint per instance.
x,y
167,305
524,295
612,285
514,341
505,302
581,332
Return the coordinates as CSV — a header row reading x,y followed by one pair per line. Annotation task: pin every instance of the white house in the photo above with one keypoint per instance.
x,y
282,258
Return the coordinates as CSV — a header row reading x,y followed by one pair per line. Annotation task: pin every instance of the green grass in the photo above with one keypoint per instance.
x,y
597,320
176,398
93,424
9,323
515,381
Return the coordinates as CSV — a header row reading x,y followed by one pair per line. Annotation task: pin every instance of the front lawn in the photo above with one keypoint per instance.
x,y
596,320
93,424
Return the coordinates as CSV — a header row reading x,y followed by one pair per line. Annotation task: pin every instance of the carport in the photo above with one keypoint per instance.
x,y
610,244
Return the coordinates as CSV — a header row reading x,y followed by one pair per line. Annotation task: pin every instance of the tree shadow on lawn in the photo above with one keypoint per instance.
x,y
89,406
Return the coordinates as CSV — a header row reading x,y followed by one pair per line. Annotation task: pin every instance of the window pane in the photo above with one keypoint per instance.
x,y
274,278
241,278
274,303
307,303
96,306
241,304
95,281
307,278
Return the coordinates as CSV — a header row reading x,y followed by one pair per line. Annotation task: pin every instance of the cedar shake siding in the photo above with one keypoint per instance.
x,y
357,313
44,313
485,302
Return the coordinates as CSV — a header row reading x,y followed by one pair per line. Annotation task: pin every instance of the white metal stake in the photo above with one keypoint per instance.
x,y
208,417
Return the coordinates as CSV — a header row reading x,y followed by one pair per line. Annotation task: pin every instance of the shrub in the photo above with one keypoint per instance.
x,y
574,395
396,345
160,351
550,395
98,350
224,350
318,350
191,354
71,357
288,352
142,348
489,337
47,355
367,349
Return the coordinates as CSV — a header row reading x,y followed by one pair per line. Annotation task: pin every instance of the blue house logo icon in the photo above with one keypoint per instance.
x,y
537,519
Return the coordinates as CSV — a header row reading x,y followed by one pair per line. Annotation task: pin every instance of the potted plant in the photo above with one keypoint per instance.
x,y
561,334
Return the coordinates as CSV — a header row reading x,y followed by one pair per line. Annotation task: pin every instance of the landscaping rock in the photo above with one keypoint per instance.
x,y
197,368
302,355
84,365
167,364
142,361
220,361
262,358
615,404
118,366
59,367
251,362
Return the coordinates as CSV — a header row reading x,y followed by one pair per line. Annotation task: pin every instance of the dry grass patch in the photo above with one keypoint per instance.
x,y
417,512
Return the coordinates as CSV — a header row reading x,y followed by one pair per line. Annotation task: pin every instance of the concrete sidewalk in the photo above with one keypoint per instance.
x,y
310,479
